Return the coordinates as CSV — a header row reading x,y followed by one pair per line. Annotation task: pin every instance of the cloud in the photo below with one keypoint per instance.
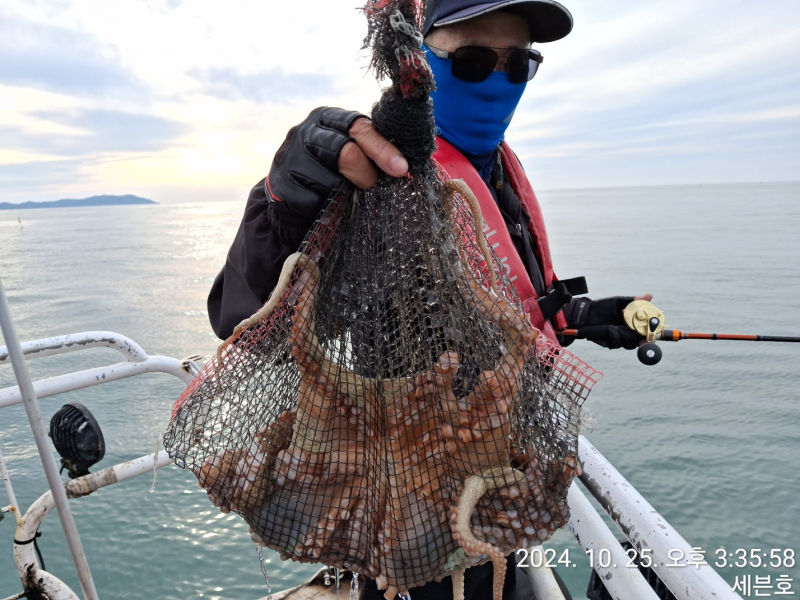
x,y
653,92
271,86
62,60
102,130
649,94
45,173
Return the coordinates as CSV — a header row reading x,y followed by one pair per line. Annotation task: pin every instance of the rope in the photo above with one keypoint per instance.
x,y
399,23
35,547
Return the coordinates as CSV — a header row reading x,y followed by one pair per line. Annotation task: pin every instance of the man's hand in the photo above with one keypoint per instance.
x,y
359,158
601,321
331,145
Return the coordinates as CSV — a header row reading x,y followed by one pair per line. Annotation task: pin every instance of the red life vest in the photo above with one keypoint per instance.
x,y
456,166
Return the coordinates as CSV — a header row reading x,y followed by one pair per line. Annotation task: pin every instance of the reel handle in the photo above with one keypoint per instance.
x,y
649,354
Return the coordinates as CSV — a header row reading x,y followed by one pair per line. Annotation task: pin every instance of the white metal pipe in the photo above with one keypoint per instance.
x,y
543,582
89,377
672,556
30,573
79,341
40,435
81,486
9,490
24,554
621,581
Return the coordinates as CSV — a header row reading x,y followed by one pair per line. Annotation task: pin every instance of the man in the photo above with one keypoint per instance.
x,y
481,59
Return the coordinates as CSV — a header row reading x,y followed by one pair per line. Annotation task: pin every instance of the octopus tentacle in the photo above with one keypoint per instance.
x,y
428,430
460,187
483,414
475,486
458,583
284,279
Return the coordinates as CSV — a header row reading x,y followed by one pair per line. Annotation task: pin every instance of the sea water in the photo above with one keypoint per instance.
x,y
709,436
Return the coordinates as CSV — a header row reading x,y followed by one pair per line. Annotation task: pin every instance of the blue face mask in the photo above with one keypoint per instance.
x,y
472,116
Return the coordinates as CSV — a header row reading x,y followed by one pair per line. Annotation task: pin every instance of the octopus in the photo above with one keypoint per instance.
x,y
438,464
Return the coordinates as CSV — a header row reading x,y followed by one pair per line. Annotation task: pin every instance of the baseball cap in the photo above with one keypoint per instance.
x,y
548,20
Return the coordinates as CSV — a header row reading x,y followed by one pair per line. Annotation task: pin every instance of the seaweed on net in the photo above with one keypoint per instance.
x,y
390,409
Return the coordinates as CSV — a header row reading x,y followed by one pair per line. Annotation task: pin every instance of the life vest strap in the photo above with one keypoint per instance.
x,y
576,286
554,301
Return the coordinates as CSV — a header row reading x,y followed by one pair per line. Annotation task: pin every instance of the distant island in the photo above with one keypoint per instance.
x,y
105,200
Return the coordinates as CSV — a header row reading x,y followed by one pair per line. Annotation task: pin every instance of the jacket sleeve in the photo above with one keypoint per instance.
x,y
267,235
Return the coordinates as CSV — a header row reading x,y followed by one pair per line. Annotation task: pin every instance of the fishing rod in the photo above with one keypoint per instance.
x,y
648,321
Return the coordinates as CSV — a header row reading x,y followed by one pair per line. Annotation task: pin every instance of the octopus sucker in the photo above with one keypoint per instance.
x,y
406,478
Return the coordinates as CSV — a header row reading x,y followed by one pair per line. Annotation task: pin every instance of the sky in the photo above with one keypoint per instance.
x,y
180,100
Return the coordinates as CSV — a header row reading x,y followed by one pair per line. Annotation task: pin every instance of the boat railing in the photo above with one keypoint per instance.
x,y
28,392
137,362
678,564
671,557
24,554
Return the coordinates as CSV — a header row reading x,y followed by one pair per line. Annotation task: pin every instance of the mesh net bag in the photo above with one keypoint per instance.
x,y
390,409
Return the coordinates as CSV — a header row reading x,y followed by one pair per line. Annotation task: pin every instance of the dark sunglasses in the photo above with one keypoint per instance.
x,y
476,63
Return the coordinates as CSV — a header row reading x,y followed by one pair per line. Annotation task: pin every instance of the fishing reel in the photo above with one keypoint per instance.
x,y
648,321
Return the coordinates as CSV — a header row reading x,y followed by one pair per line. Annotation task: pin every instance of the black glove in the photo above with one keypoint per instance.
x,y
611,336
305,170
601,322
